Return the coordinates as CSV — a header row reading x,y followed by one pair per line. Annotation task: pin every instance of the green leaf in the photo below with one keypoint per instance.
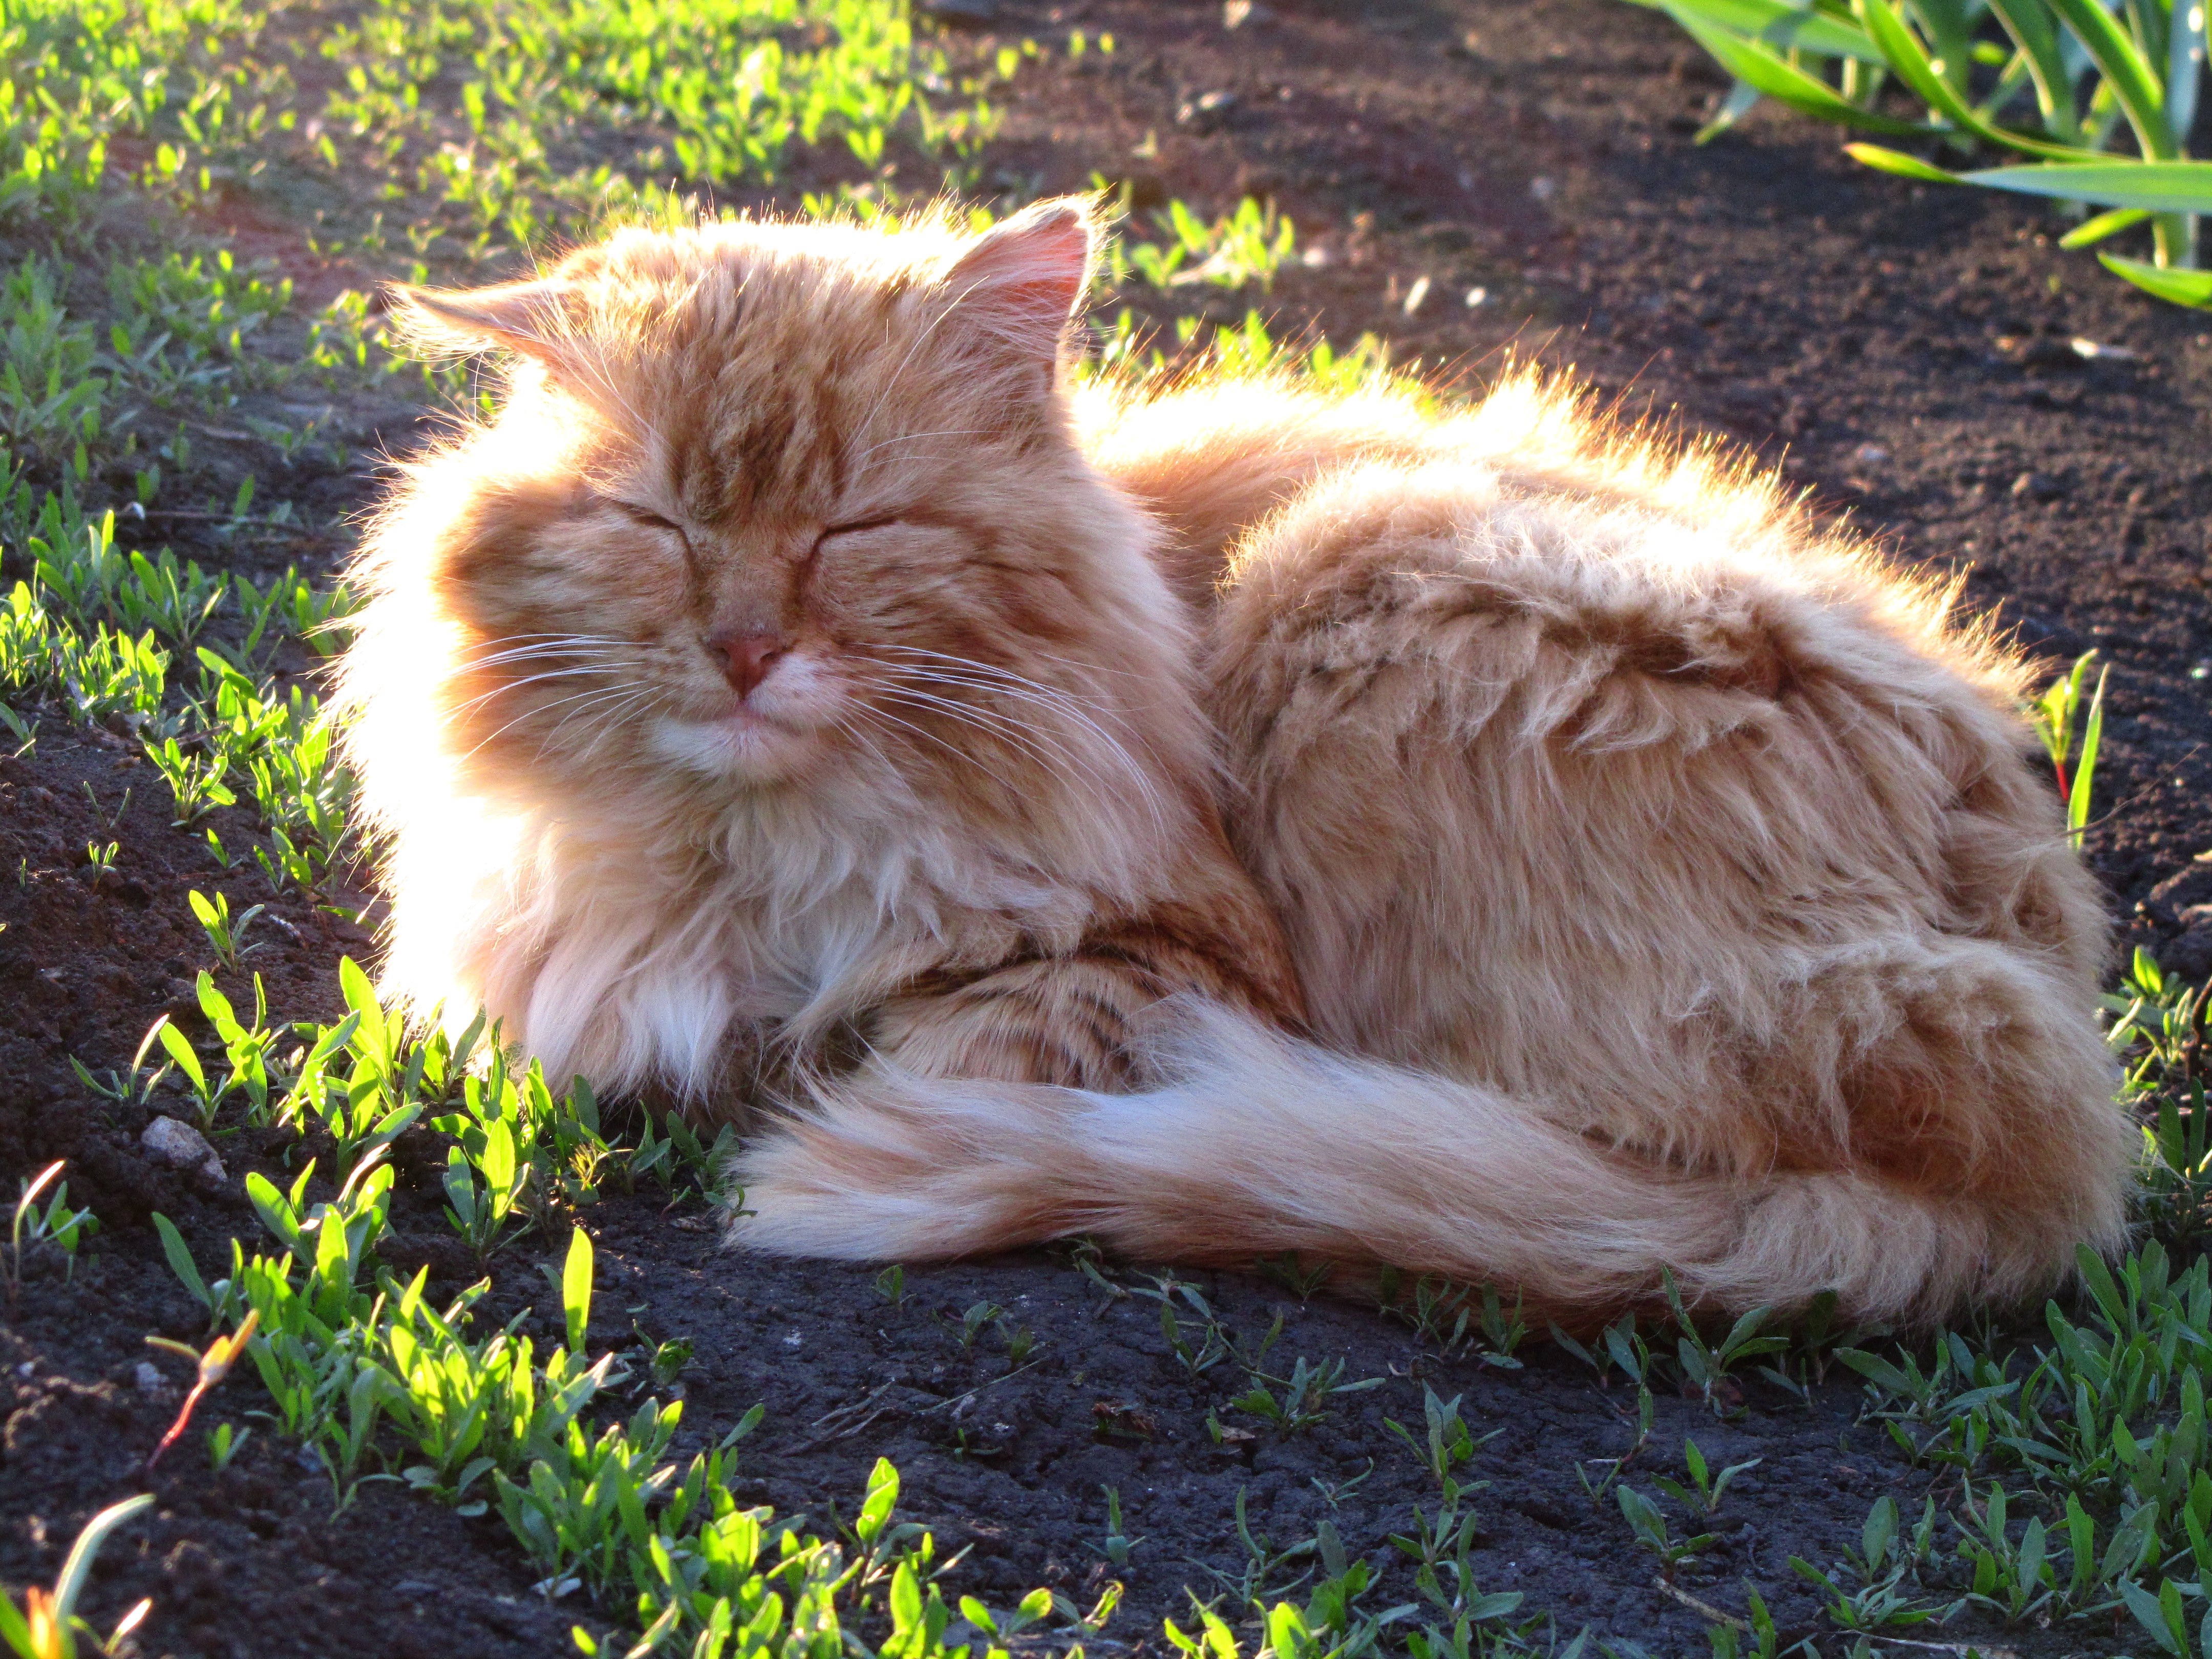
x,y
1776,23
883,1496
576,1288
183,1054
278,1216
79,1564
2029,23
1760,67
2103,225
2134,83
2149,1614
2155,186
1897,161
2181,288
180,1259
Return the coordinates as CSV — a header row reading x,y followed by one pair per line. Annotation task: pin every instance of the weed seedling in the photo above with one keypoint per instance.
x,y
1705,1489
224,936
47,1627
1119,1545
973,1322
670,1360
1615,1467
1305,1393
2072,734
1651,1532
1706,1367
224,1443
55,1224
1448,1442
1213,1344
891,1285
213,1365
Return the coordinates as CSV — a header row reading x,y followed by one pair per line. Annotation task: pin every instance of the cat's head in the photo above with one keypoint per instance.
x,y
764,503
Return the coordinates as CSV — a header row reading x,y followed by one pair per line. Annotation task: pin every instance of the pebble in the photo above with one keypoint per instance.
x,y
146,1376
2040,486
181,1145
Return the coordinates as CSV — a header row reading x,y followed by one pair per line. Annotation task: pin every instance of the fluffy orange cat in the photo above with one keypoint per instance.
x,y
1225,823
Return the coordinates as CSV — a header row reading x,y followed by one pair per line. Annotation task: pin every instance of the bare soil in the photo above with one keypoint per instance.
x,y
1905,353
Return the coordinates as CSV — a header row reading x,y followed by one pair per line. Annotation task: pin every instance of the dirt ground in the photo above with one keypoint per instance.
x,y
1482,180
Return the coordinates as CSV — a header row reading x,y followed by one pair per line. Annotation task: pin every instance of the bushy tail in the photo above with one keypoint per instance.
x,y
1258,1144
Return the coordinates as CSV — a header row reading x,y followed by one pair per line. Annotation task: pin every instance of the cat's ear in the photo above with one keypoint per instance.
x,y
535,318
1020,281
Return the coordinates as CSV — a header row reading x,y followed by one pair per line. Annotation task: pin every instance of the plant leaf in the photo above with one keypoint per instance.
x,y
1883,159
1760,67
2105,224
2155,186
2182,288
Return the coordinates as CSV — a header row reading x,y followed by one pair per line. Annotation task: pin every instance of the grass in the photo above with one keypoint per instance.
x,y
2099,100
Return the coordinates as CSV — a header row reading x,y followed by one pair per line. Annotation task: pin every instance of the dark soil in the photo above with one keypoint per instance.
x,y
1904,352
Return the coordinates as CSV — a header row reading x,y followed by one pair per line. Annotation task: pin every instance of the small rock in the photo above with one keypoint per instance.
x,y
1207,111
1870,455
1236,14
1543,189
2037,486
146,1378
181,1145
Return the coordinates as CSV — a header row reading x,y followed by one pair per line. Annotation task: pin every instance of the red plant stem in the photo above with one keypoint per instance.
x,y
184,1419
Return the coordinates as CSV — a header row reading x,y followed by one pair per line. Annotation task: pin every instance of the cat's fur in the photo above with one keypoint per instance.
x,y
1227,823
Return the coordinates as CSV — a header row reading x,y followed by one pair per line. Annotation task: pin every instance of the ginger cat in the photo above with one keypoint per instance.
x,y
1225,823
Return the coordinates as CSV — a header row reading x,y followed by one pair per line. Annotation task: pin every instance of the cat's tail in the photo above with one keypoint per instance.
x,y
1259,1144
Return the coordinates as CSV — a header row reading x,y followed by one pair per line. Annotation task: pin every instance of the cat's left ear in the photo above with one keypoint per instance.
x,y
536,320
1022,280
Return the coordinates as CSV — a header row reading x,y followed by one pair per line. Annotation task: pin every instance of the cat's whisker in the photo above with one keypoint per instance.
x,y
1031,740
987,678
877,711
1072,761
542,709
535,653
611,720
516,685
585,705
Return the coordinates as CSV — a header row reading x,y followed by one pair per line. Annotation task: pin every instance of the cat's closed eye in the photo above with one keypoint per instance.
x,y
882,522
644,515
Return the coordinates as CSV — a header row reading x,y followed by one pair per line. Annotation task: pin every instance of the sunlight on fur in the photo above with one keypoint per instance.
x,y
1212,816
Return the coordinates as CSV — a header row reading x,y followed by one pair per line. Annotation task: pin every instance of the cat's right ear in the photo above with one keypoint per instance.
x,y
535,320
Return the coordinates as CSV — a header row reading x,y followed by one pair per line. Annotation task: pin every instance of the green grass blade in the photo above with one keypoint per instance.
x,y
1807,94
2154,186
1897,161
2029,22
2181,288
1785,27
576,1288
2133,81
2085,769
2105,224
67,1587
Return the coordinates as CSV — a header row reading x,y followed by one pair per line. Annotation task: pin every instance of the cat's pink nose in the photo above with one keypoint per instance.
x,y
746,658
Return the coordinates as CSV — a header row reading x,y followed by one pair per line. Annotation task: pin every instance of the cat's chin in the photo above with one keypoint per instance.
x,y
742,747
